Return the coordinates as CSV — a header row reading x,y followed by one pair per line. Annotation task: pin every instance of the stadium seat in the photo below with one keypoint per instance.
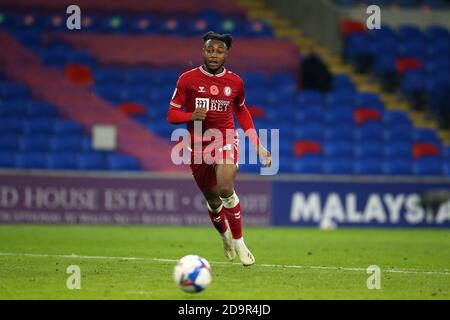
x,y
310,164
91,161
369,165
32,160
338,165
13,125
398,150
67,127
398,167
38,126
122,162
36,143
70,143
369,150
67,161
10,142
428,167
338,149
7,159
40,109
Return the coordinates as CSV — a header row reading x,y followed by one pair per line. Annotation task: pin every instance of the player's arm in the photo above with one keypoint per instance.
x,y
175,114
245,121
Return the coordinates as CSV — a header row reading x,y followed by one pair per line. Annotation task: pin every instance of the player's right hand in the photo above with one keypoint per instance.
x,y
199,114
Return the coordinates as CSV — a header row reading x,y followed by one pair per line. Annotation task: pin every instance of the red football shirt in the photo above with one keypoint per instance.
x,y
218,93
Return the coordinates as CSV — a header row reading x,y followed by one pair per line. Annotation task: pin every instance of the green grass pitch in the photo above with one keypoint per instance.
x,y
292,263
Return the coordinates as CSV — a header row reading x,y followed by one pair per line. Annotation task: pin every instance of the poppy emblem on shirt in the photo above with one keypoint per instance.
x,y
214,90
227,91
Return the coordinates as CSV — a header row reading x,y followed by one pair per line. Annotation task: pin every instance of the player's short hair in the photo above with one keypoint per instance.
x,y
225,38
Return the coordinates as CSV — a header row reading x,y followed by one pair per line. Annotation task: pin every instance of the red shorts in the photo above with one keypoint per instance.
x,y
205,173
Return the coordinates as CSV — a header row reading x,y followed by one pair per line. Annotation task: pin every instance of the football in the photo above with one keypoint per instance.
x,y
192,274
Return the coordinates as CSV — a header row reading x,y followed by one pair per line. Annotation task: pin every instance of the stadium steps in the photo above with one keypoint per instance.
x,y
79,104
257,9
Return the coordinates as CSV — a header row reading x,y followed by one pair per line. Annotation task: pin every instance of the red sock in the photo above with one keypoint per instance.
x,y
217,217
234,215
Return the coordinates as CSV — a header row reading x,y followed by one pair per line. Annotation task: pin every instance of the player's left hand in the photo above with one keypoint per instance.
x,y
264,156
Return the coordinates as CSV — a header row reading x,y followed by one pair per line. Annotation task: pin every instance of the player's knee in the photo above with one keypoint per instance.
x,y
214,203
226,191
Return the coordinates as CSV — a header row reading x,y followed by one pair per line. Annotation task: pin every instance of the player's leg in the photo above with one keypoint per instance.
x,y
205,177
216,213
225,176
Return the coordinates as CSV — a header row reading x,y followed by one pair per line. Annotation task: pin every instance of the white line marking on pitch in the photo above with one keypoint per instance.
x,y
75,256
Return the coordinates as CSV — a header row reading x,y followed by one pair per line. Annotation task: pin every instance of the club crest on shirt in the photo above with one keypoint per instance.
x,y
227,91
214,90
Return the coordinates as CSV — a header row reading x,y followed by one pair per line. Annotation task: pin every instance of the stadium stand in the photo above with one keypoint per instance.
x,y
123,70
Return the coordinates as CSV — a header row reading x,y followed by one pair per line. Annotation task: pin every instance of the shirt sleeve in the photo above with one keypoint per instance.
x,y
240,98
179,96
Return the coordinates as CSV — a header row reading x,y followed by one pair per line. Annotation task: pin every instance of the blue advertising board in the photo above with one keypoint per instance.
x,y
357,204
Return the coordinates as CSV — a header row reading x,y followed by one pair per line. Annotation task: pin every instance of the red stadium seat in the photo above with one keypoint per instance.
x,y
351,26
79,74
132,108
405,64
362,115
423,149
256,112
303,147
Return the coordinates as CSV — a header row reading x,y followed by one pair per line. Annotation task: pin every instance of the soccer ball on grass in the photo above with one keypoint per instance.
x,y
192,274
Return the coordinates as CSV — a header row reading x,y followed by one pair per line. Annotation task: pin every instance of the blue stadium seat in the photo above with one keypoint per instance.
x,y
340,116
38,126
108,76
426,135
67,127
41,109
32,160
36,143
67,161
369,132
400,167
165,76
10,142
428,167
91,161
372,166
369,150
137,76
310,164
339,132
398,150
7,159
338,149
13,125
309,97
70,143
398,133
122,162
303,115
447,169
394,118
15,107
338,165
81,57
309,132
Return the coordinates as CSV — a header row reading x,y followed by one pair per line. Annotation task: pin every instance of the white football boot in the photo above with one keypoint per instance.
x,y
244,254
228,247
